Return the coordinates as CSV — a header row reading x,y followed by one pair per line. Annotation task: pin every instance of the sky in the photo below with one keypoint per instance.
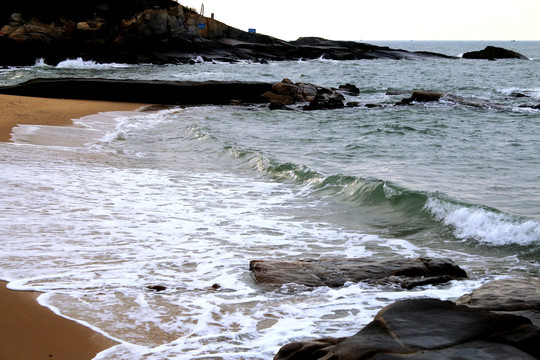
x,y
380,19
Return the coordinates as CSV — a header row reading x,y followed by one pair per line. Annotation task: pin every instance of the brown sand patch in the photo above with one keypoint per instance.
x,y
31,331
43,111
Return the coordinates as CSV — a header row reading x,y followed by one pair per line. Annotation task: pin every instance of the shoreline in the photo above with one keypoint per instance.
x,y
52,112
31,331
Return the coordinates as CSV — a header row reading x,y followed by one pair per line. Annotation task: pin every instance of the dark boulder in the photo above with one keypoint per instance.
x,y
422,96
349,89
407,273
493,53
518,296
427,329
326,101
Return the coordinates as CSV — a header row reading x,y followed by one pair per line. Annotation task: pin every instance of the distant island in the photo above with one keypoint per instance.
x,y
156,32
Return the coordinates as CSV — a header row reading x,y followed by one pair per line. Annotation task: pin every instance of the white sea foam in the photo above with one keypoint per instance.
x,y
79,63
40,63
484,226
95,236
101,127
533,93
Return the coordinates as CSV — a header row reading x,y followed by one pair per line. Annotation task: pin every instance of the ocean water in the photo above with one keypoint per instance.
x,y
94,214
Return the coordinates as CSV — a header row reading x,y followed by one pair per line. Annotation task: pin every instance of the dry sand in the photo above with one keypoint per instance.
x,y
41,111
27,329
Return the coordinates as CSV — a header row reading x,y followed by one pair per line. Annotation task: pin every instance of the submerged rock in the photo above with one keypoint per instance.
x,y
278,106
407,273
493,53
427,329
434,96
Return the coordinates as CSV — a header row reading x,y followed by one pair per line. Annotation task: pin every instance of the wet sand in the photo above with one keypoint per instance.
x,y
31,331
43,111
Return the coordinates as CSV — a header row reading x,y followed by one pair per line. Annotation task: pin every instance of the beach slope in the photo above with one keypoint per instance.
x,y
31,331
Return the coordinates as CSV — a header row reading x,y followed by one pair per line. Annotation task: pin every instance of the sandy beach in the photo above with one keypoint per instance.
x,y
27,329
44,111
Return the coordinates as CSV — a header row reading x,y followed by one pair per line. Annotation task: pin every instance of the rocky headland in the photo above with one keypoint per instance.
x,y
157,32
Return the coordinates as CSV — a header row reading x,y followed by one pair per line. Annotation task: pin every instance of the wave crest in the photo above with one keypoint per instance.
x,y
488,227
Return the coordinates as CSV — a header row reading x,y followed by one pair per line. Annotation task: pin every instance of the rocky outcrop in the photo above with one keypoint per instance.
x,y
423,329
318,98
407,273
148,92
493,53
512,296
162,34
315,47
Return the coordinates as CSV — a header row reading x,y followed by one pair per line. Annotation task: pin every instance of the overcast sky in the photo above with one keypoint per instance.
x,y
381,19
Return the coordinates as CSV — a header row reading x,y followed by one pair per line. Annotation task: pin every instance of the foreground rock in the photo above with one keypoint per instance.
x,y
423,329
407,273
493,53
148,92
516,296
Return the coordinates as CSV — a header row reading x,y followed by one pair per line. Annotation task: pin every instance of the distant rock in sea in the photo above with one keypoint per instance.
x,y
493,53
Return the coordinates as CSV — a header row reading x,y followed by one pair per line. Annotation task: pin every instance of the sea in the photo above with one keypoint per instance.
x,y
142,225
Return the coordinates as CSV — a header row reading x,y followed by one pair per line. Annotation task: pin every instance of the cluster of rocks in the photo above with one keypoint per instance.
x,y
500,320
288,93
